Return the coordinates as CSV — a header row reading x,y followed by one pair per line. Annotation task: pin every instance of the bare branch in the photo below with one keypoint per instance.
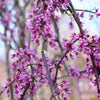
x,y
86,11
47,68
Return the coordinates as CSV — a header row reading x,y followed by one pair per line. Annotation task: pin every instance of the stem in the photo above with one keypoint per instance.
x,y
58,40
85,10
47,68
96,73
72,10
25,91
7,86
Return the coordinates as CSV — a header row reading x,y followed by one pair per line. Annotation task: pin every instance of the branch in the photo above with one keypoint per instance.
x,y
29,39
7,86
25,91
63,58
86,11
47,68
82,71
58,40
44,59
60,46
72,10
96,73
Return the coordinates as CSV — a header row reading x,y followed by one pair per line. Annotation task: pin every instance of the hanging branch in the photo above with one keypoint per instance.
x,y
47,68
44,59
58,40
96,73
72,10
22,97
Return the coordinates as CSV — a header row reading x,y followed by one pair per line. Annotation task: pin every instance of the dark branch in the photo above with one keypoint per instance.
x,y
25,91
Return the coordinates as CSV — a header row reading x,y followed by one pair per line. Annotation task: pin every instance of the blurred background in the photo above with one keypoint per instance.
x,y
13,14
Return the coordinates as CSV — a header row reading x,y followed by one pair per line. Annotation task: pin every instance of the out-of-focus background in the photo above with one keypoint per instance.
x,y
82,90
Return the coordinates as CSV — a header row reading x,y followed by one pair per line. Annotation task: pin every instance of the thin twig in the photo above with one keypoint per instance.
x,y
85,10
7,86
58,40
25,91
47,68
44,59
72,10
96,73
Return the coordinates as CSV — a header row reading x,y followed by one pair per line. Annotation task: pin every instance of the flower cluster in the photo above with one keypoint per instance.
x,y
62,90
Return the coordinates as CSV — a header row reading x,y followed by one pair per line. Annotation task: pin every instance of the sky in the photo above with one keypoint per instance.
x,y
93,25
